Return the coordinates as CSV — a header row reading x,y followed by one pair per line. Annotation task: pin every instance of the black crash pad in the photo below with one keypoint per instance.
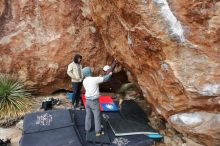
x,y
129,140
42,121
130,110
90,137
50,128
125,127
103,139
58,137
130,120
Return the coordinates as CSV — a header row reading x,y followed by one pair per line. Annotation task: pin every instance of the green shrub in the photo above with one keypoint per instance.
x,y
14,98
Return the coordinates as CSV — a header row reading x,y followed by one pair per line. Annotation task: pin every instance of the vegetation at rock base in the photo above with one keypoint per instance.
x,y
14,97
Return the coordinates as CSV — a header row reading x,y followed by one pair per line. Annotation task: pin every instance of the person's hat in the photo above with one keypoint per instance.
x,y
87,71
106,67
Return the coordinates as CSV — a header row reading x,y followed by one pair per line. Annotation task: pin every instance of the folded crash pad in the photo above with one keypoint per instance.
x,y
50,128
122,127
106,103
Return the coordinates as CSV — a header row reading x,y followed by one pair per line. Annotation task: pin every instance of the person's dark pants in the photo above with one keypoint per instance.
x,y
77,87
93,110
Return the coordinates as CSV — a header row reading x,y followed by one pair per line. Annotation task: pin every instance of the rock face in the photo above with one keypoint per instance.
x,y
170,48
38,39
173,51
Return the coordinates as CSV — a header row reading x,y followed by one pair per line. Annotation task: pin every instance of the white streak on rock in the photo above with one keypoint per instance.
x,y
158,110
187,118
210,90
174,25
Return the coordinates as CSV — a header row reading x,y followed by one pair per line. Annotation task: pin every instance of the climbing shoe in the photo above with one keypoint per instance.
x,y
99,133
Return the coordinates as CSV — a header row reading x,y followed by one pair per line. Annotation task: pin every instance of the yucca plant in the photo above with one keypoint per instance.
x,y
14,98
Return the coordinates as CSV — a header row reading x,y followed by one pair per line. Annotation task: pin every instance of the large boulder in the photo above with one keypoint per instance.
x,y
202,127
172,48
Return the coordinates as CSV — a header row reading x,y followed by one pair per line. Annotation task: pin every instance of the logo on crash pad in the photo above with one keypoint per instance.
x,y
44,120
109,107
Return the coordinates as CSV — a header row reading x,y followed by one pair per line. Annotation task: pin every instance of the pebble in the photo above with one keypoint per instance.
x,y
19,125
167,139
